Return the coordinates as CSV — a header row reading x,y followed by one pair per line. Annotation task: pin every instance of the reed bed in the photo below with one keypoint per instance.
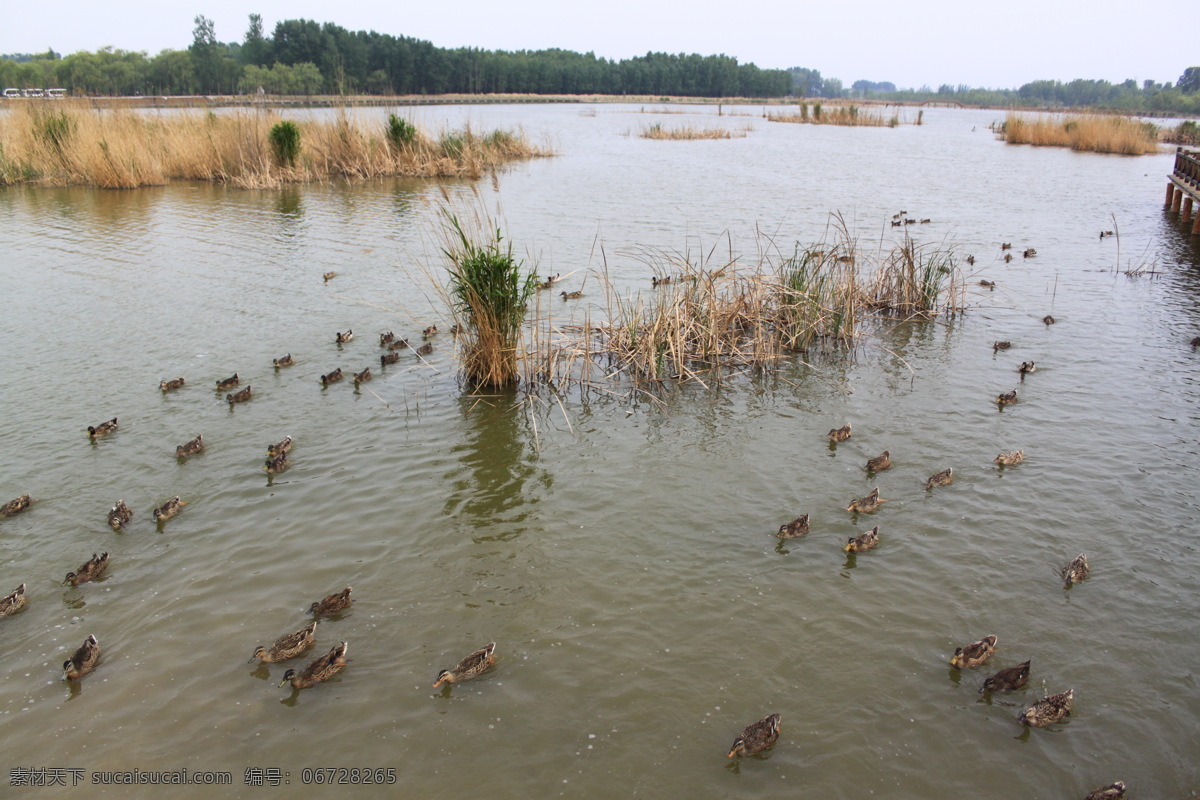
x,y
1100,133
62,144
849,116
690,132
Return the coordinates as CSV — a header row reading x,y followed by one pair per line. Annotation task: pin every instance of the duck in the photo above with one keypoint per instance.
x,y
430,331
388,358
1007,257
657,281
240,397
1048,320
170,386
89,571
330,276
971,260
839,434
83,661
910,221
277,464
168,509
1196,342
318,671
756,737
1000,346
1009,459
1029,253
572,295
1007,680
896,223
1114,791
190,448
424,349
456,329
1007,399
546,284
283,446
974,654
289,646
1048,710
943,478
119,516
866,505
794,529
1006,245
863,542
362,377
987,284
880,462
103,429
926,221
285,361
228,383
13,602
386,338
337,601
1076,571
399,344
344,338
1027,367
332,377
16,506
470,667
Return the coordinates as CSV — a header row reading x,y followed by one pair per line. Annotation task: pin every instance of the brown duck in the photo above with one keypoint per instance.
x,y
1009,459
83,661
1007,399
880,462
1114,791
332,603
332,377
240,397
119,515
170,386
228,383
103,429
344,338
863,542
974,654
16,506
288,646
283,446
168,509
470,667
865,505
794,529
285,361
943,478
388,358
277,464
839,434
13,602
190,448
1007,680
1048,710
89,571
756,737
362,377
318,671
1076,571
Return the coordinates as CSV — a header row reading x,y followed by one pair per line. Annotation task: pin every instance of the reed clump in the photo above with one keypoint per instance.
x,y
849,116
689,132
1100,133
63,144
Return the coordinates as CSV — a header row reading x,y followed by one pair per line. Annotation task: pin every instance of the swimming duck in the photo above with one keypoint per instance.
x,y
657,281
863,542
840,434
456,329
571,295
240,397
425,349
103,429
228,383
168,509
398,345
430,331
943,478
1196,342
1029,253
971,260
320,670
191,448
1006,245
896,223
344,338
362,377
546,284
866,505
334,602
332,377
330,276
277,464
119,515
1007,257
1007,680
1049,320
16,505
1009,459
880,462
386,338
286,361
756,737
974,654
83,661
1000,346
1114,791
987,283
470,667
170,386
1027,367
1048,710
14,602
794,529
926,221
388,358
1076,571
289,646
1007,399
283,446
91,569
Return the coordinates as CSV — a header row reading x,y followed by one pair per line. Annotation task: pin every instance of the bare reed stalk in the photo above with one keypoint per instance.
x,y
690,132
71,143
1101,133
849,116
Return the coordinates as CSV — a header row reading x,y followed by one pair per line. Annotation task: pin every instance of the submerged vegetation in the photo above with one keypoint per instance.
x,y
1101,133
57,144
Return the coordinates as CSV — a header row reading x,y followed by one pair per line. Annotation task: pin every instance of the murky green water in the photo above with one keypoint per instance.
x,y
619,550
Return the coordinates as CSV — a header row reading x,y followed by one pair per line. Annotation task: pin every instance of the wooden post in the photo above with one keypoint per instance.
x,y
1187,210
1170,194
1196,226
1176,200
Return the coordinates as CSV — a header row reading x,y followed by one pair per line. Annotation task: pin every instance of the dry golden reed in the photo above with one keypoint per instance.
x,y
1101,133
61,144
849,116
690,132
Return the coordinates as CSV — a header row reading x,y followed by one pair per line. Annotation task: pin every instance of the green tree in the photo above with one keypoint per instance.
x,y
1189,81
255,47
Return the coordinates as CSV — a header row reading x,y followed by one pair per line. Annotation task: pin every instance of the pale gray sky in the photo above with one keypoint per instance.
x,y
1000,44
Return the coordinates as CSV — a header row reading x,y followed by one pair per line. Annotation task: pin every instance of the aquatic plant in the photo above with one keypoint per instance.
x,y
689,132
1101,133
400,132
849,116
285,142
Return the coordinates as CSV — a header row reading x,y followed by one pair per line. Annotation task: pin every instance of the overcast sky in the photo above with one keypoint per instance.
x,y
927,42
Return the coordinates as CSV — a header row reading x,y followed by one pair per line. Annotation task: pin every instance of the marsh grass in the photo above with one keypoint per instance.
x,y
1101,133
690,132
849,116
61,144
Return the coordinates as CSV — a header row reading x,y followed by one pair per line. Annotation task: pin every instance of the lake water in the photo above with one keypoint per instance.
x,y
618,547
